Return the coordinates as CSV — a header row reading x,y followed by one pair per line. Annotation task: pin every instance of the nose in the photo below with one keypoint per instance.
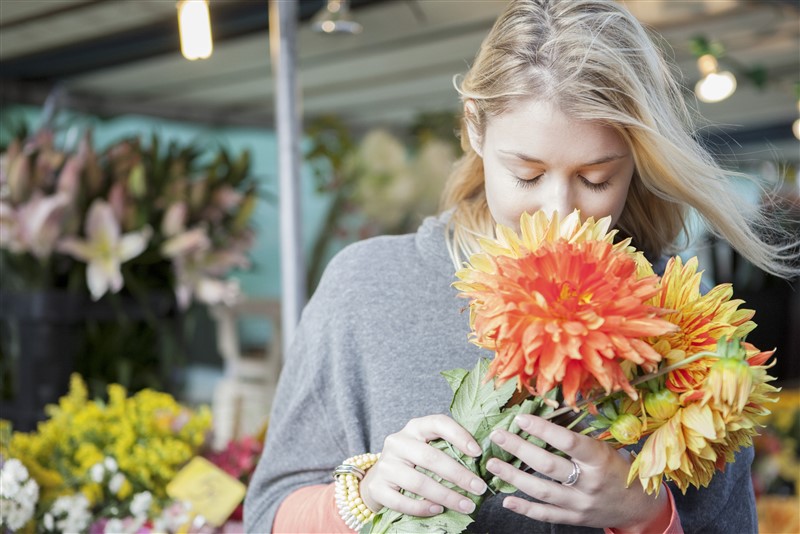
x,y
557,198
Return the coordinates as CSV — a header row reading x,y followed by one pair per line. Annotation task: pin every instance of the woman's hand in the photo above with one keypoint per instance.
x,y
403,451
598,498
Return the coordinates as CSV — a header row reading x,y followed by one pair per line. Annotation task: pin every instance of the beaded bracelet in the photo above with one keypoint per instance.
x,y
348,498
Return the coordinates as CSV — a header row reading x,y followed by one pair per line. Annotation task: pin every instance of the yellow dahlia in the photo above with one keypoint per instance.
x,y
562,304
711,424
702,320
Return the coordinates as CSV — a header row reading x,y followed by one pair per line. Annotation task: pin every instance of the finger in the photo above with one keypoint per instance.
x,y
420,484
533,486
538,459
441,426
417,453
579,447
395,500
546,513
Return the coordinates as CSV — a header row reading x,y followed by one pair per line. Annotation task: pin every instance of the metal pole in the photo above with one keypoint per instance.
x,y
282,29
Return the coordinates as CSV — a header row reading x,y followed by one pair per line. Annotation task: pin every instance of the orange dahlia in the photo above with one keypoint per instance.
x,y
562,304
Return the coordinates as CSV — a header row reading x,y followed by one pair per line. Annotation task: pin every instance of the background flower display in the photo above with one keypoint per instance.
x,y
143,228
584,333
135,216
382,183
239,459
776,467
101,466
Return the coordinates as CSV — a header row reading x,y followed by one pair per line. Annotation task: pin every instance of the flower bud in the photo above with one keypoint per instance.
x,y
729,382
626,429
661,404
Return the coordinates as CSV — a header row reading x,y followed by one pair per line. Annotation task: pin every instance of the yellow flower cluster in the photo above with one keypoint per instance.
x,y
710,407
149,435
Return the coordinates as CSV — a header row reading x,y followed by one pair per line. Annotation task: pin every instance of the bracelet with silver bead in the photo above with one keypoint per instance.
x,y
352,509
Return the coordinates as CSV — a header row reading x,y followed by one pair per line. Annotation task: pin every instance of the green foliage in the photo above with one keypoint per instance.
x,y
481,407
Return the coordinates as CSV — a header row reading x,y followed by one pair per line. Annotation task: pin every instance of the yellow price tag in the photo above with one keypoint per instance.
x,y
212,492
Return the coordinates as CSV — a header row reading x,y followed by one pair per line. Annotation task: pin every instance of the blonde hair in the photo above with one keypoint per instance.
x,y
595,61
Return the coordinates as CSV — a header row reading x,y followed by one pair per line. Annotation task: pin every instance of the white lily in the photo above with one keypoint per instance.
x,y
105,249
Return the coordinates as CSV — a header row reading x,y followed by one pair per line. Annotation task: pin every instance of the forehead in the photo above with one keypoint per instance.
x,y
540,129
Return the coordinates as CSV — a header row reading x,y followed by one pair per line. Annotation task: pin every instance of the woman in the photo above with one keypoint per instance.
x,y
567,105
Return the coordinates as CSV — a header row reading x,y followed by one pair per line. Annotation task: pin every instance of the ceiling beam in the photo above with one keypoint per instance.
x,y
230,20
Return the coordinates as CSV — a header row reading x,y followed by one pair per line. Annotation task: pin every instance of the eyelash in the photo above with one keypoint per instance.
x,y
591,185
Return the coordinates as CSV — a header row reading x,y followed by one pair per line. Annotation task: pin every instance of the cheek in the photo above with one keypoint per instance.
x,y
506,201
611,203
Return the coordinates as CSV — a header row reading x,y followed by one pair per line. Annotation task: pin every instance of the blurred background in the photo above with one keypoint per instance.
x,y
106,122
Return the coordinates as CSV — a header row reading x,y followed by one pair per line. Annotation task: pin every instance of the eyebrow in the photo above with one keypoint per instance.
x,y
531,159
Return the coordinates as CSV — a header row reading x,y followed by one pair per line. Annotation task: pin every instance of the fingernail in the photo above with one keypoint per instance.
x,y
474,449
436,509
510,505
522,422
498,437
478,486
466,506
493,465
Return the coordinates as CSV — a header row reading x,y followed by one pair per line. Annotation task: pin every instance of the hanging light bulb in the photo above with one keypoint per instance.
x,y
335,18
194,23
714,86
796,123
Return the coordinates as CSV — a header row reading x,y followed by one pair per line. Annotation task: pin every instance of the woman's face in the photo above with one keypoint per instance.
x,y
535,157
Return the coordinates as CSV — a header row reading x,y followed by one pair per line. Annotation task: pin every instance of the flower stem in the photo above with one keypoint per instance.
x,y
643,378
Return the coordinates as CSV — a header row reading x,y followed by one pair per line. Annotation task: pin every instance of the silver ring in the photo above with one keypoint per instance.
x,y
573,477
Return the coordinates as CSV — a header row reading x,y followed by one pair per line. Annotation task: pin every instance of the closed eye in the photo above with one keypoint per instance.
x,y
602,186
527,182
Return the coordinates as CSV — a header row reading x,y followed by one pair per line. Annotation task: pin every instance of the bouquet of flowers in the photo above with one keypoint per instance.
x,y
100,466
582,326
132,216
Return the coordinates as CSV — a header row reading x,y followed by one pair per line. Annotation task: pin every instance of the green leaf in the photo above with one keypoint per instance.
x,y
454,377
381,522
477,404
449,522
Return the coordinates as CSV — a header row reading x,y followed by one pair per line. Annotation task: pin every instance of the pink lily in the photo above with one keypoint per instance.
x,y
35,226
105,249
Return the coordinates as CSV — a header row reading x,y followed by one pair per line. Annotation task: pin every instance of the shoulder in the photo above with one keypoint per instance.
x,y
373,250
383,258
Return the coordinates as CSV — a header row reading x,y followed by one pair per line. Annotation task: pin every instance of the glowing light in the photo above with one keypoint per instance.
x,y
715,86
194,23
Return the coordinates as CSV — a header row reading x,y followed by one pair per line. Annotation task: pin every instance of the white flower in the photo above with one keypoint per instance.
x,y
49,522
114,526
9,484
70,513
97,472
140,505
105,249
173,517
127,525
382,153
116,482
111,464
18,495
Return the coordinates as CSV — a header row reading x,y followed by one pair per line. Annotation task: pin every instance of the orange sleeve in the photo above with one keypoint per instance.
x,y
674,526
310,509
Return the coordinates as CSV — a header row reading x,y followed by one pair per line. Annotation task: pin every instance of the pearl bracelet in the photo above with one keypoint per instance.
x,y
348,498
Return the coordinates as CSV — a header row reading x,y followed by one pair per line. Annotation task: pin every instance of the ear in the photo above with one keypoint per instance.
x,y
470,114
